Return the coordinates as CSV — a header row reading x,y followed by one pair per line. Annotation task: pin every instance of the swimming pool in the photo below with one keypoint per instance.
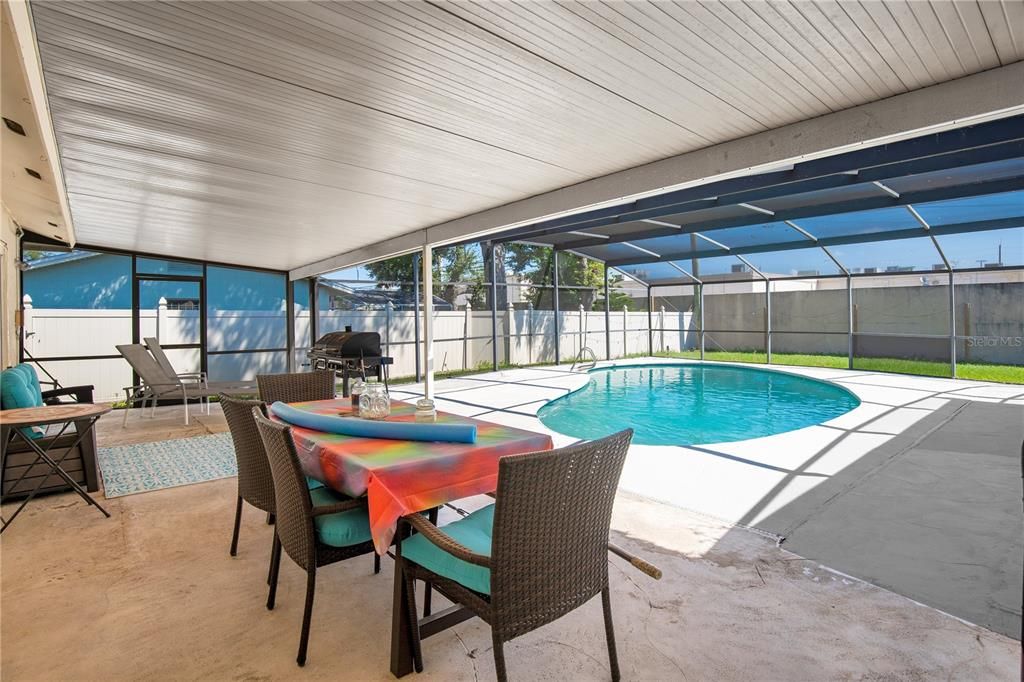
x,y
693,404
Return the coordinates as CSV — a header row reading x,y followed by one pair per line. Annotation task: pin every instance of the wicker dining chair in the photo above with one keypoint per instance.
x,y
537,553
299,387
313,534
255,484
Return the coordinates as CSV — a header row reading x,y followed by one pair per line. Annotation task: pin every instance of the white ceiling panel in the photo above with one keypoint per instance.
x,y
276,134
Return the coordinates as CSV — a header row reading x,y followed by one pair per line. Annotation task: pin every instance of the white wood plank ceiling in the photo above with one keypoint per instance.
x,y
275,134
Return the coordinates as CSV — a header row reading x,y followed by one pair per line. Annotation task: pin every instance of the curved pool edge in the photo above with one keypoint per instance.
x,y
682,362
793,370
739,482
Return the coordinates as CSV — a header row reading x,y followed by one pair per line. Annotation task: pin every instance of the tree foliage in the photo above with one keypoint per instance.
x,y
457,272
535,264
460,277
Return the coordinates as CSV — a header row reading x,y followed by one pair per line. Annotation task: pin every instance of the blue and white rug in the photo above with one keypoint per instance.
x,y
143,467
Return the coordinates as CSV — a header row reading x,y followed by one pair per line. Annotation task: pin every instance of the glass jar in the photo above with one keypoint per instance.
x,y
425,411
357,390
374,402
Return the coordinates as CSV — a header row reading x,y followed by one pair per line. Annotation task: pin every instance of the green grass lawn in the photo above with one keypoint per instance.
x,y
1007,374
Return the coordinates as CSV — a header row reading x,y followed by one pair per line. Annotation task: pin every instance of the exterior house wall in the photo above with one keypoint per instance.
x,y
99,282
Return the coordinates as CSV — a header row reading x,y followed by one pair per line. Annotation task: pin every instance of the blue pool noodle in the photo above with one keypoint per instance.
x,y
367,428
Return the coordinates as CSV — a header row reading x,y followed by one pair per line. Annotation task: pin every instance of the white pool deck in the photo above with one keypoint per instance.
x,y
742,482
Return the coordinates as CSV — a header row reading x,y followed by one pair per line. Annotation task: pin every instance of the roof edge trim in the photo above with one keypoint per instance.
x,y
31,62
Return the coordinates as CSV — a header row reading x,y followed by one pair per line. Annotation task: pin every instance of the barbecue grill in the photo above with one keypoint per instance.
x,y
350,354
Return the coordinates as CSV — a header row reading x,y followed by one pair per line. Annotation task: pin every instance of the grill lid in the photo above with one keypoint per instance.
x,y
348,344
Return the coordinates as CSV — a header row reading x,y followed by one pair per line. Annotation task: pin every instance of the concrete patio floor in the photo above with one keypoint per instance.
x,y
152,592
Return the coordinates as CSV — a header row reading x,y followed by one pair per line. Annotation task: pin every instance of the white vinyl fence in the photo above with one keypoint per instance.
x,y
462,339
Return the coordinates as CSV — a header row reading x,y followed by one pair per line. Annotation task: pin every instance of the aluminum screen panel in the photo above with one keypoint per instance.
x,y
973,209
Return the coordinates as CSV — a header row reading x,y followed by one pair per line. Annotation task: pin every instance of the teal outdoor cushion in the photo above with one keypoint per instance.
x,y
342,529
472,532
16,391
33,381
313,484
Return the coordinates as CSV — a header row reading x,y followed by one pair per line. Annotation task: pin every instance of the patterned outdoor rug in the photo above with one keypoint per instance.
x,y
143,467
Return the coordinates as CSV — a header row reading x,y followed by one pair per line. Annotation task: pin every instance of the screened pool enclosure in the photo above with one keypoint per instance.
x,y
907,257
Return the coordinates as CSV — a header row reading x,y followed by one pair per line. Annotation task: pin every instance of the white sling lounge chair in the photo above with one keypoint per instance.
x,y
161,358
157,351
157,383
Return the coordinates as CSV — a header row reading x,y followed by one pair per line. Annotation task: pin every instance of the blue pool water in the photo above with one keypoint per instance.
x,y
693,404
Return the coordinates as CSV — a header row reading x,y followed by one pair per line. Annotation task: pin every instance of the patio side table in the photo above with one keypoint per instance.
x,y
83,415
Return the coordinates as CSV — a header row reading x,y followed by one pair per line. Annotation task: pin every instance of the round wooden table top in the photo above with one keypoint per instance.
x,y
52,414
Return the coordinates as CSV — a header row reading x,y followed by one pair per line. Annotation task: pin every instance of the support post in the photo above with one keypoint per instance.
x,y
700,295
952,326
416,310
161,317
529,331
494,307
583,333
27,325
467,331
428,322
625,330
661,327
607,318
289,312
389,309
650,321
768,319
558,333
314,312
849,321
510,331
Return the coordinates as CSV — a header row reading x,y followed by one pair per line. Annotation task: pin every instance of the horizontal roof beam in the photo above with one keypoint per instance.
x,y
837,208
938,230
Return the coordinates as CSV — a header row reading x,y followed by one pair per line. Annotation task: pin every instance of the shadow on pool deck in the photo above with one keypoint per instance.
x,y
934,514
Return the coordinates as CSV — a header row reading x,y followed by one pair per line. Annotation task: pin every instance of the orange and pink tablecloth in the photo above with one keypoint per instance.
x,y
400,477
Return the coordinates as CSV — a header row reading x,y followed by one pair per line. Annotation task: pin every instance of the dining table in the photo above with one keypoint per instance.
x,y
400,477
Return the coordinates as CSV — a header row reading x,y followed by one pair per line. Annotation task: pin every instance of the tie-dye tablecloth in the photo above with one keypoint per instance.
x,y
400,477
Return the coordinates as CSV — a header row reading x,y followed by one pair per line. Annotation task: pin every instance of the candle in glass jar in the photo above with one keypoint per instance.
x,y
357,390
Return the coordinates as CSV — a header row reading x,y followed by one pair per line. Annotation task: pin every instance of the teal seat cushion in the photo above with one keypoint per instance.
x,y
342,529
33,381
313,484
16,391
472,532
